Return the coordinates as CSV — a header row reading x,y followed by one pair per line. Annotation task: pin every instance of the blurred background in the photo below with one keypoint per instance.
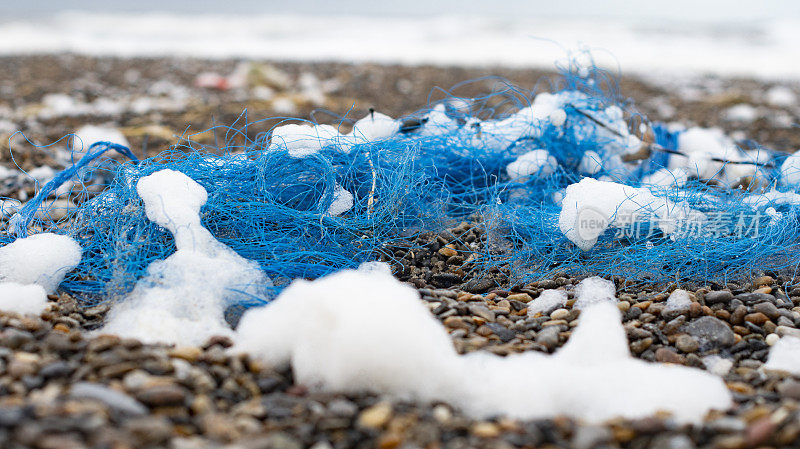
x,y
743,38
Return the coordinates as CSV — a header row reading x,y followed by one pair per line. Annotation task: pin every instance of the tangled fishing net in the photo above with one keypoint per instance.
x,y
574,181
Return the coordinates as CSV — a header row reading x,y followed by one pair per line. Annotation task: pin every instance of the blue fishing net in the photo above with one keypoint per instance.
x,y
444,164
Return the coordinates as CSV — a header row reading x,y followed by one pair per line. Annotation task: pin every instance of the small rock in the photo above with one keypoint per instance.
x,y
278,440
763,280
221,340
342,407
710,332
668,355
727,424
485,429
442,414
559,314
11,416
482,312
149,430
479,285
444,280
162,395
757,318
14,338
755,298
784,331
548,337
767,308
219,427
188,353
686,343
760,431
639,346
589,437
521,297
789,388
376,416
448,251
59,368
112,398
772,339
721,296
672,442
19,368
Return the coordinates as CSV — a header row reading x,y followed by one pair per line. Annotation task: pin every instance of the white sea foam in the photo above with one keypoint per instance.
x,y
333,333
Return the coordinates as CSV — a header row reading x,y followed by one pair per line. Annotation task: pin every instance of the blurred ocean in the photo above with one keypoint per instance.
x,y
658,37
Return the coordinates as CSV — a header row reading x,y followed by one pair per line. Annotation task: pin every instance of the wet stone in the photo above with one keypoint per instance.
x,y
710,332
162,395
717,297
505,334
444,280
112,398
768,309
755,298
548,337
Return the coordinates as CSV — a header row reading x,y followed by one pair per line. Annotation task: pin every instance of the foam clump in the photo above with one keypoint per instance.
x,y
33,267
375,126
708,153
594,290
537,162
183,297
302,140
666,178
718,365
781,96
342,201
547,301
332,333
784,355
41,259
790,170
591,206
19,298
89,134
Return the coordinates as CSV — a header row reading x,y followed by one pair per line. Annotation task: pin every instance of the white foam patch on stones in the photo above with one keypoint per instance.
x,y
547,301
182,298
594,290
784,355
41,259
22,298
33,267
363,330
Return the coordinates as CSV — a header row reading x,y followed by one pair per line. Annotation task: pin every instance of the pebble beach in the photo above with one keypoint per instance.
x,y
64,386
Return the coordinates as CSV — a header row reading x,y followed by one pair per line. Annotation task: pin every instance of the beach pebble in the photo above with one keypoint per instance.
x,y
715,297
112,398
772,339
376,416
687,343
710,332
